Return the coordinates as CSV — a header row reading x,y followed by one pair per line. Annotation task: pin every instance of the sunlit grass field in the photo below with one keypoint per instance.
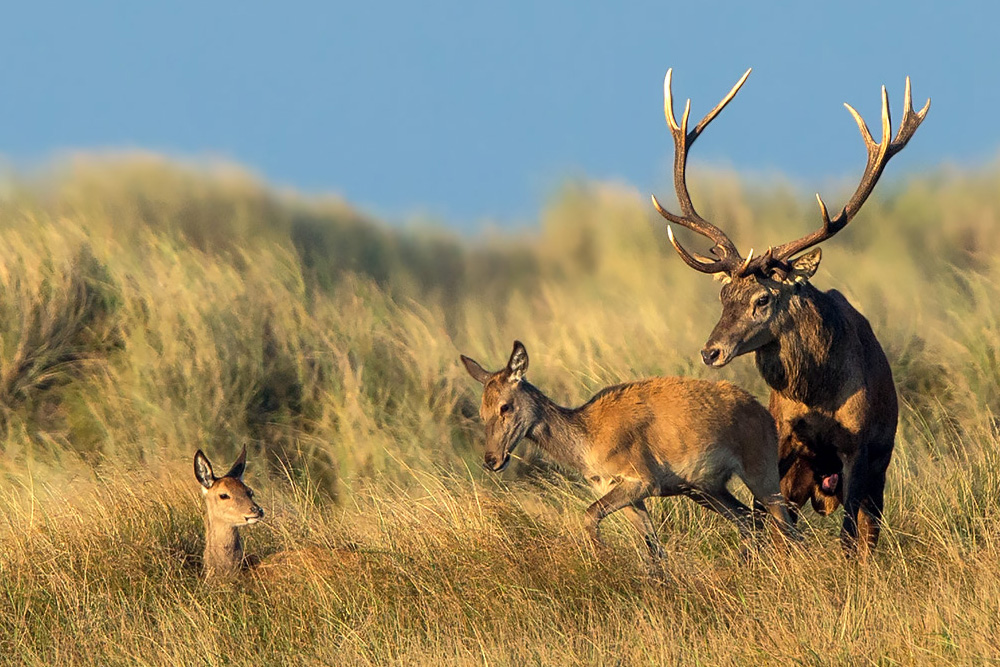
x,y
149,308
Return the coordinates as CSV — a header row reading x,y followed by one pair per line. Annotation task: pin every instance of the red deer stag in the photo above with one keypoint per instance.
x,y
832,394
654,437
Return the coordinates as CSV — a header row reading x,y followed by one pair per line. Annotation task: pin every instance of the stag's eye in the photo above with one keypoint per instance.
x,y
223,496
505,408
762,300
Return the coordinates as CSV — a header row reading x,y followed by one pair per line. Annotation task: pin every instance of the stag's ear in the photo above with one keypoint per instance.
x,y
804,266
478,373
240,466
722,277
203,470
517,366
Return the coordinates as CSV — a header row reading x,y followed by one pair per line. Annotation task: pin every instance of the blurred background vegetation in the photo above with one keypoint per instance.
x,y
149,308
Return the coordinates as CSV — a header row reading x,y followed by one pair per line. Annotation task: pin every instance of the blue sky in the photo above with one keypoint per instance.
x,y
474,112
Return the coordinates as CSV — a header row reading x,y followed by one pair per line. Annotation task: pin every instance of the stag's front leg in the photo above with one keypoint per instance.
x,y
856,484
870,516
624,494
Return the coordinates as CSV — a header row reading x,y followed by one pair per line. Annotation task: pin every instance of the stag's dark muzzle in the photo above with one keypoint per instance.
x,y
716,355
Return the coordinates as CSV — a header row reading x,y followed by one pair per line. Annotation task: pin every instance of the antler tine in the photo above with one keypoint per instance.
x,y
683,139
710,116
910,122
717,266
879,154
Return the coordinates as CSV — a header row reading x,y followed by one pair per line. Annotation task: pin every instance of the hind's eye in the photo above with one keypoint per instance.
x,y
223,496
505,408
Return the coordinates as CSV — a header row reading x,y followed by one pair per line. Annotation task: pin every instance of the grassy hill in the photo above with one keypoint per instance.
x,y
149,308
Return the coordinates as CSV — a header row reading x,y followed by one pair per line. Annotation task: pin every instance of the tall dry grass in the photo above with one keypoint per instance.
x,y
148,309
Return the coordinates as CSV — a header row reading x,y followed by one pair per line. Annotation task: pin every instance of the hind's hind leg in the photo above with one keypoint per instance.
x,y
639,516
726,504
766,491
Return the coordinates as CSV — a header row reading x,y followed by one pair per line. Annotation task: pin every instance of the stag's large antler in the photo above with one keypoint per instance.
x,y
879,155
728,257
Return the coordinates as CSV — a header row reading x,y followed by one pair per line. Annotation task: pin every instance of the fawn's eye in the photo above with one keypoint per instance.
x,y
223,496
250,493
762,300
505,408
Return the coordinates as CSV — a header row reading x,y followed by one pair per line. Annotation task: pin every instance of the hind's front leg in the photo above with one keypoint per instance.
x,y
625,494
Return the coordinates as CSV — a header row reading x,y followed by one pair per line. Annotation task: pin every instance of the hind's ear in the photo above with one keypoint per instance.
x,y
203,470
240,466
478,373
517,366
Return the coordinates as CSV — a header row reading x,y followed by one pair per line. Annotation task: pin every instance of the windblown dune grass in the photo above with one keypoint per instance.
x,y
149,309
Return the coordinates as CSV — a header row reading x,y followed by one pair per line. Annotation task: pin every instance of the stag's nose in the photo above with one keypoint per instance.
x,y
710,355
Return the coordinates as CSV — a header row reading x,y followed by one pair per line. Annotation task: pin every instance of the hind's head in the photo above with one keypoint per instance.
x,y
228,500
509,407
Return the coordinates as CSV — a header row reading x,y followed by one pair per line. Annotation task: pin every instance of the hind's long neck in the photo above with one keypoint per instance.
x,y
223,548
558,431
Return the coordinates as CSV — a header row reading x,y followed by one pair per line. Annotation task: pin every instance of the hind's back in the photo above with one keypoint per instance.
x,y
680,421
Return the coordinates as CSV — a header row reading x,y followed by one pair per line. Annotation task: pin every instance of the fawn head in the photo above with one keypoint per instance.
x,y
227,499
509,408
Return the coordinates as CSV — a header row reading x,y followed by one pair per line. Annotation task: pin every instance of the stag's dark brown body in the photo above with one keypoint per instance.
x,y
833,398
834,402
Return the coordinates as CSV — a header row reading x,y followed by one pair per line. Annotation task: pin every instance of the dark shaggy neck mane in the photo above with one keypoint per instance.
x,y
806,362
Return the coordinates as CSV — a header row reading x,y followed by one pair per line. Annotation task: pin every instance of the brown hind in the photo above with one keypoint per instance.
x,y
229,505
663,436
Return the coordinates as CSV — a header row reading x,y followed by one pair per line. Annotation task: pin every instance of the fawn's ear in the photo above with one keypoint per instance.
x,y
241,465
517,366
478,373
203,470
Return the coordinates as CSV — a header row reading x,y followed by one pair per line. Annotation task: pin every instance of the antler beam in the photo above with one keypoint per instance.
x,y
879,154
729,257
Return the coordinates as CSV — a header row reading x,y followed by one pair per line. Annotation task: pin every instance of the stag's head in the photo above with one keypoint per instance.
x,y
755,308
509,409
758,292
228,501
